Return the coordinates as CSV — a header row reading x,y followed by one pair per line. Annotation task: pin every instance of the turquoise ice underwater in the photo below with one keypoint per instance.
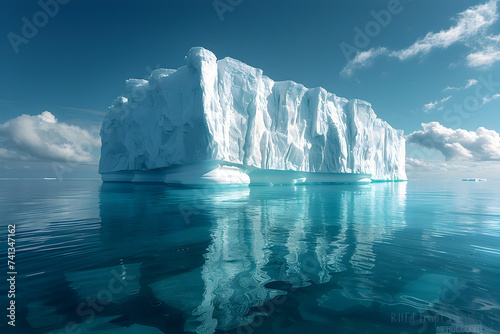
x,y
406,257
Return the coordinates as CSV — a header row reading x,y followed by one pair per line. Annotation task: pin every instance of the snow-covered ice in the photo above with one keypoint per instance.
x,y
224,122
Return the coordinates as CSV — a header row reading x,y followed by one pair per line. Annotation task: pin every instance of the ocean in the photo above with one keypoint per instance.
x,y
421,256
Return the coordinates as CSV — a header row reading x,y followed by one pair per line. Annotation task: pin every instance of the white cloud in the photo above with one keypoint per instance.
x,y
432,105
438,169
489,99
413,164
483,58
470,23
482,145
470,83
469,30
416,163
361,60
90,111
42,137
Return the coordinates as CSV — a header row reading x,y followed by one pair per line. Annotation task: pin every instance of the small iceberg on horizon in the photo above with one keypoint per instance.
x,y
474,180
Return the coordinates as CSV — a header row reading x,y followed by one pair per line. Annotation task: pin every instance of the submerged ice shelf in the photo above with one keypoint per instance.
x,y
224,122
210,172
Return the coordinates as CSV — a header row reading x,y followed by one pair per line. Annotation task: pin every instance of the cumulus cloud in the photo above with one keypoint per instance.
x,y
481,145
470,83
469,29
43,138
432,105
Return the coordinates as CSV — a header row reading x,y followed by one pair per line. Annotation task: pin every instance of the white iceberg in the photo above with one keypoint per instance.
x,y
224,122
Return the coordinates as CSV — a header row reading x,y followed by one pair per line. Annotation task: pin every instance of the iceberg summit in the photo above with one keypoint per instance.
x,y
224,122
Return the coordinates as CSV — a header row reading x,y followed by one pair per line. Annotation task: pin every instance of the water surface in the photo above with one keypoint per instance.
x,y
408,257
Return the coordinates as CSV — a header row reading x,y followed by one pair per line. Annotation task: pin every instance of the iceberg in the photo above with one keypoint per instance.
x,y
223,122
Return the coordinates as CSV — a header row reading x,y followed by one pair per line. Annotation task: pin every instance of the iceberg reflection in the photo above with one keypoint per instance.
x,y
219,256
296,235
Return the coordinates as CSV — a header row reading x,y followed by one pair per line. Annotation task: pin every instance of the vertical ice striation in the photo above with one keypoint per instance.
x,y
224,122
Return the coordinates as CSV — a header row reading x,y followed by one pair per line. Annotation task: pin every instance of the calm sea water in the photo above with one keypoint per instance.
x,y
415,257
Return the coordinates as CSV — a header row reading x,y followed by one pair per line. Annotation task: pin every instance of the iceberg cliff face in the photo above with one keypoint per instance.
x,y
225,122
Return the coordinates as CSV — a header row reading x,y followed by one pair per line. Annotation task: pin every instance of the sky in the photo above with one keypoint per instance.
x,y
430,68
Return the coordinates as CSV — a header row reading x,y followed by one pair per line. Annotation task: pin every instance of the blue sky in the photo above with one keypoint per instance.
x,y
421,62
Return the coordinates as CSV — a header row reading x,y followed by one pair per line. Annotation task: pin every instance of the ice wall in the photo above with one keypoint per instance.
x,y
228,112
